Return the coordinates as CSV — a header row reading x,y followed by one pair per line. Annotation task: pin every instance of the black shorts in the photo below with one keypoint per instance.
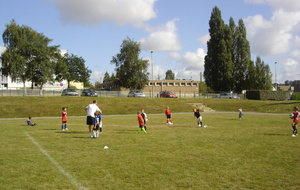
x,y
90,120
63,122
96,127
168,116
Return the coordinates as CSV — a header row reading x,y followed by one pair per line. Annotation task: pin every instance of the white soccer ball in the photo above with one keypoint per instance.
x,y
205,126
291,115
105,147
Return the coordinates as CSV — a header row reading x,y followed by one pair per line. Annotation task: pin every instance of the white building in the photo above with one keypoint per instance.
x,y
6,82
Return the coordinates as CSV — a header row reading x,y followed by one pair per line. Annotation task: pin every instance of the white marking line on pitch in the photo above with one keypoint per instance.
x,y
61,169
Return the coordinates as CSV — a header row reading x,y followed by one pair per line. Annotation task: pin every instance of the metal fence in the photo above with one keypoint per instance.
x,y
38,92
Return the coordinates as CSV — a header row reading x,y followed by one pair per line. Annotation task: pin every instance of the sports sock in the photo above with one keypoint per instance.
x,y
143,129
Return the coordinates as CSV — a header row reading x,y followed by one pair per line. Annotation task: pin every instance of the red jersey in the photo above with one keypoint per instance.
x,y
296,116
168,112
63,116
140,119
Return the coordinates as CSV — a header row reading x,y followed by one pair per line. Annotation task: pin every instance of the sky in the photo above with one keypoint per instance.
x,y
176,32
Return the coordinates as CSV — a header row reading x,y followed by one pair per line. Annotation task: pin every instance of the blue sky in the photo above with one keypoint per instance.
x,y
176,31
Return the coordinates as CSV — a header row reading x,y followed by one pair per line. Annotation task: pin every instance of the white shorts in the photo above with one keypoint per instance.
x,y
199,118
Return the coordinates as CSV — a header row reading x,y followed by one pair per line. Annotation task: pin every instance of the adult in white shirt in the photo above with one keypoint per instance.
x,y
90,114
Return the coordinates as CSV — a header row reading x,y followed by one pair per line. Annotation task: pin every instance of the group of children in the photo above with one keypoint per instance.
x,y
142,119
97,129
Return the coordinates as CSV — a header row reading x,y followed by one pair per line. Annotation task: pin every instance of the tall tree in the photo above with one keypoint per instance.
x,y
170,75
218,67
241,55
76,70
131,72
28,56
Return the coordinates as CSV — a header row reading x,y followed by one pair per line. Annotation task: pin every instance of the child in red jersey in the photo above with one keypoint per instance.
x,y
295,118
64,119
141,122
168,114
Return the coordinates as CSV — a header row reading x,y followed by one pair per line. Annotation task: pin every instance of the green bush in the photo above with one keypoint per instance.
x,y
295,96
267,95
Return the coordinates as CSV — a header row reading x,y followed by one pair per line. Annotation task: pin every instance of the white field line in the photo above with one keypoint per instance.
x,y
61,169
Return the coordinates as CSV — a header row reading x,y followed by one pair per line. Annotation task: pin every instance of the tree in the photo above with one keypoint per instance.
x,y
263,75
170,75
241,55
218,66
76,70
131,72
106,78
28,56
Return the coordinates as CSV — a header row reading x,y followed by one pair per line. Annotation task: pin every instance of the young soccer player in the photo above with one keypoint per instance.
x,y
29,122
198,116
64,119
141,122
98,124
168,115
241,114
144,115
295,118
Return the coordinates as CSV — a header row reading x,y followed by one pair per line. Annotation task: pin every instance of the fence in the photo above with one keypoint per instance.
x,y
39,92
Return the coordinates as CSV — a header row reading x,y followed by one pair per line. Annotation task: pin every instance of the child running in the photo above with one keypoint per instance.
x,y
168,115
98,124
198,116
64,119
141,122
295,118
144,115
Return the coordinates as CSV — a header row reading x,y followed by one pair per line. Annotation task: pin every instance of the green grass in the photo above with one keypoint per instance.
x,y
255,153
22,107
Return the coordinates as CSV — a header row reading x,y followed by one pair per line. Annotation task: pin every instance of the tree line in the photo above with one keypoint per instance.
x,y
228,65
29,57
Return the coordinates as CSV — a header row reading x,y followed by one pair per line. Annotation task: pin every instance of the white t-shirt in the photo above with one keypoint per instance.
x,y
91,109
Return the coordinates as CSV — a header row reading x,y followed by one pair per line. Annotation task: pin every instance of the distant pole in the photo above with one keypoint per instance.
x,y
152,73
275,77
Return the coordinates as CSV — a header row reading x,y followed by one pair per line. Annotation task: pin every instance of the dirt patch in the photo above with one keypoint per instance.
x,y
202,107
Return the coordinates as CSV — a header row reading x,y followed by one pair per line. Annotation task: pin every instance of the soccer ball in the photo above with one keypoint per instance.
x,y
105,147
291,115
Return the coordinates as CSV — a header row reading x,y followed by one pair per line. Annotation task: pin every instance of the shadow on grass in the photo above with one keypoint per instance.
x,y
274,134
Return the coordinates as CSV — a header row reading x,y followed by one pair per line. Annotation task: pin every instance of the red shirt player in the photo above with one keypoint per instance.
x,y
141,122
168,114
64,119
295,118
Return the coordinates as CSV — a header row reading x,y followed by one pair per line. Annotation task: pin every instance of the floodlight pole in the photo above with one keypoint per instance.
x,y
152,74
275,77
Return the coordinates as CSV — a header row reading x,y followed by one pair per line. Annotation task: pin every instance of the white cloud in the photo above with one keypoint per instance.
x,y
121,12
277,36
191,64
204,39
288,5
193,60
96,76
162,38
289,70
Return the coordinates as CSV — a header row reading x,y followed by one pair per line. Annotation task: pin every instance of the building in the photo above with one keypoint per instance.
x,y
156,86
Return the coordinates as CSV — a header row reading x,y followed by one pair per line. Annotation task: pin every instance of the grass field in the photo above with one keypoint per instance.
x,y
255,153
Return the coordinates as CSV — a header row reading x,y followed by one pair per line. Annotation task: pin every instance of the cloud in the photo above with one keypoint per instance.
x,y
204,39
121,12
287,5
289,69
191,63
162,38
